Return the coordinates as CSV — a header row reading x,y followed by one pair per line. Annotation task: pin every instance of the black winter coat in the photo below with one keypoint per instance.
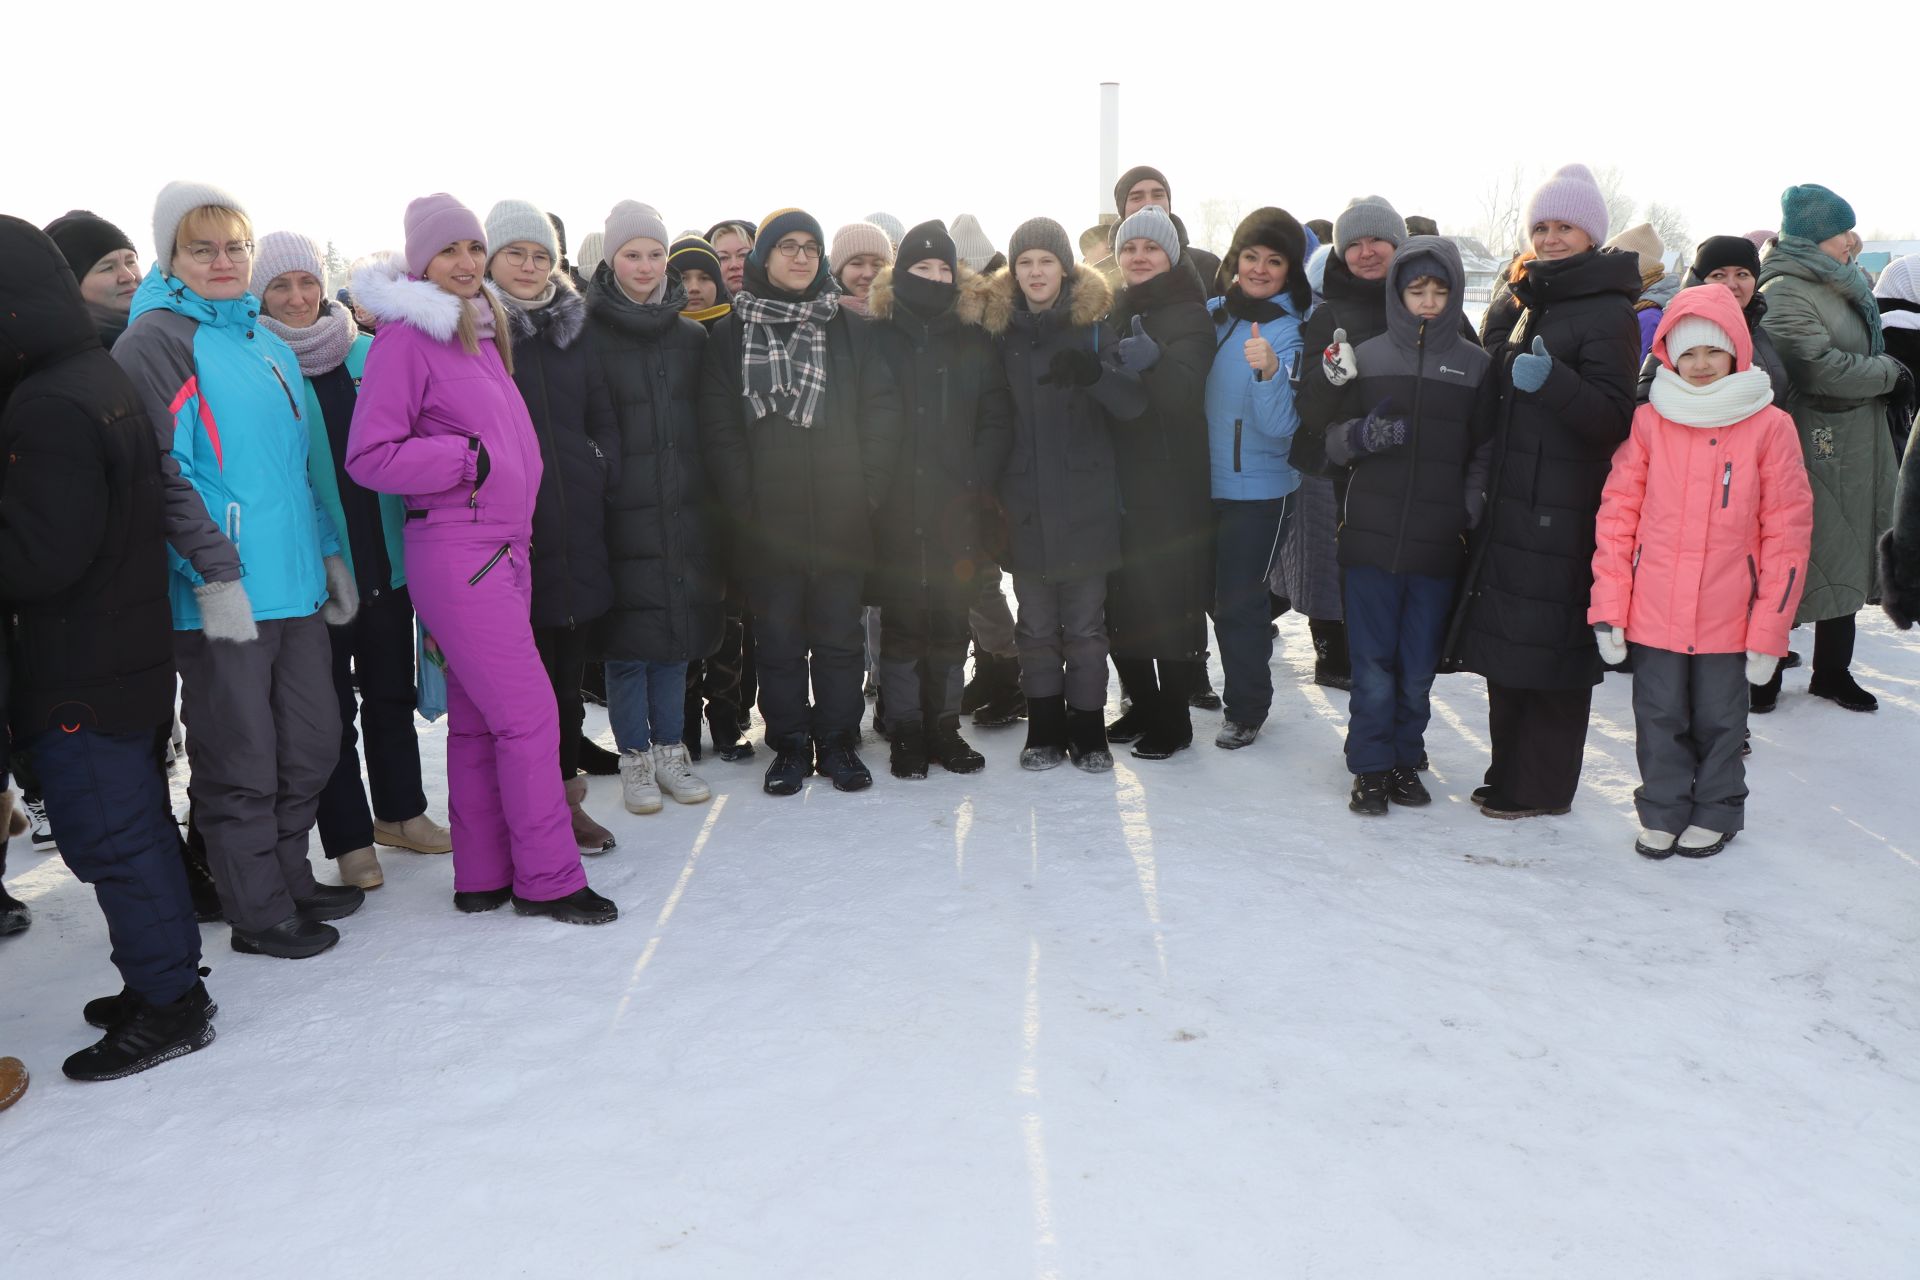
x,y
561,380
1060,487
83,553
1522,618
801,499
668,581
939,525
1157,603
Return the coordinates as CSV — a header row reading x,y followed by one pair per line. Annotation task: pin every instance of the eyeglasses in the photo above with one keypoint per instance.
x,y
236,251
798,249
520,257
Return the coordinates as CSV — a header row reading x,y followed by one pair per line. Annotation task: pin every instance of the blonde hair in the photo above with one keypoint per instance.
x,y
212,222
469,334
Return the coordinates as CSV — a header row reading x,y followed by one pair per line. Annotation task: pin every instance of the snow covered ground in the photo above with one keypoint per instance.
x,y
1193,1018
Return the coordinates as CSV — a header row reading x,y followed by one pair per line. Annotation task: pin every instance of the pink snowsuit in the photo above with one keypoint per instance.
x,y
427,414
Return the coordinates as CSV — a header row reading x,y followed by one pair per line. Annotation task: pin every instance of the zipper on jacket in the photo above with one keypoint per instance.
x,y
1788,593
281,378
233,524
1413,445
487,568
1753,582
1726,489
1236,444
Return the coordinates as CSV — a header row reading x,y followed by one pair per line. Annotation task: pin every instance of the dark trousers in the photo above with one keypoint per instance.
x,y
1143,686
1689,722
1832,651
806,631
1062,634
108,793
563,652
377,648
1246,538
713,687
1396,625
1539,736
923,653
989,619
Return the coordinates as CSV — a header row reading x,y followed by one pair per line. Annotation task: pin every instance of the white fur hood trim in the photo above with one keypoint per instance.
x,y
382,286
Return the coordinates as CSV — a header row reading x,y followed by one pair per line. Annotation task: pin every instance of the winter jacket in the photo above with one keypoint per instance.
x,y
1406,508
326,471
1357,306
560,379
1157,602
1703,532
429,413
83,559
221,391
1522,618
1251,423
801,499
1837,403
939,525
1060,488
1765,357
669,583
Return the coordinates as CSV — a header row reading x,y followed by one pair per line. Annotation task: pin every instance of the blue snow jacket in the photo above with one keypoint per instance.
x,y
1250,424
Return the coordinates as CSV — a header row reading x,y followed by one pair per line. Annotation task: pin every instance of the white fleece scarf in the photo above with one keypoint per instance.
x,y
1734,398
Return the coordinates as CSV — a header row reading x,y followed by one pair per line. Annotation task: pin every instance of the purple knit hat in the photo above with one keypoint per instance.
x,y
280,252
433,223
1571,195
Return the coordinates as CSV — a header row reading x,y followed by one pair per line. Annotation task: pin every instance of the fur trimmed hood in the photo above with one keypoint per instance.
x,y
1092,298
561,321
381,285
969,300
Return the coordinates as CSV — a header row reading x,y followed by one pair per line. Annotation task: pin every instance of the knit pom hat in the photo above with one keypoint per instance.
x,y
928,240
592,252
1571,195
1133,178
1150,222
175,201
632,220
1716,252
896,230
84,238
512,220
695,254
1644,242
856,238
970,240
280,252
1368,216
434,222
1691,331
1044,234
781,223
1812,212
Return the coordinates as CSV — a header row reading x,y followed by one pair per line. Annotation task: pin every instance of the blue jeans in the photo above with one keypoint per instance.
x,y
1396,625
1246,538
646,702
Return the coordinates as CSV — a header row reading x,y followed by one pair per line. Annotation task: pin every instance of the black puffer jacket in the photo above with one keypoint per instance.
x,y
939,524
566,393
83,553
801,499
668,582
1523,613
1061,487
1157,602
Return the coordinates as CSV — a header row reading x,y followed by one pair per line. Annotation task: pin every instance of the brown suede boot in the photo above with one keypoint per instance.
x,y
589,835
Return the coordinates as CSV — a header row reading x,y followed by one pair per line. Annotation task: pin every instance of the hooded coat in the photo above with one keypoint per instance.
x,y
83,554
1766,357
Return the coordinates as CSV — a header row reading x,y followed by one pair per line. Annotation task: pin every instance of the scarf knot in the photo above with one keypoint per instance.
x,y
783,353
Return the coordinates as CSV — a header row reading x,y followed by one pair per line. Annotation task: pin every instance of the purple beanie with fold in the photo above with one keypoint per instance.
x,y
433,223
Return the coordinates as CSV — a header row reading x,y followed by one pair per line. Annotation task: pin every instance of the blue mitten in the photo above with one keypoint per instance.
x,y
1530,370
1137,352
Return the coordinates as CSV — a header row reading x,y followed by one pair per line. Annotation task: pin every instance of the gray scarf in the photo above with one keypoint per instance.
x,y
323,345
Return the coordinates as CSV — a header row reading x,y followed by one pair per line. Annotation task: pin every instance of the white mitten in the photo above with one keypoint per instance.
x,y
1337,360
1613,644
225,612
1760,667
343,594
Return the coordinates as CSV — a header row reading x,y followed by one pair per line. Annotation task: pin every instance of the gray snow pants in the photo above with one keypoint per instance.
x,y
263,734
1690,719
990,620
1063,624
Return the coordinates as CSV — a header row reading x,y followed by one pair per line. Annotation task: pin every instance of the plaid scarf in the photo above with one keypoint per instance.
x,y
784,374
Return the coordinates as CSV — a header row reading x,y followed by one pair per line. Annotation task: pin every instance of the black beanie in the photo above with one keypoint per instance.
x,y
1132,178
928,240
84,238
1716,252
1421,226
694,252
1280,231
1321,228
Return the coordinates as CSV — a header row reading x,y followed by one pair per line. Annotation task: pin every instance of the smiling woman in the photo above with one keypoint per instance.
x,y
103,261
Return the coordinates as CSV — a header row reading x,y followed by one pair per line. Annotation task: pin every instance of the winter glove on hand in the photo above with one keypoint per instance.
x,y
1530,371
1337,360
1476,507
1612,642
343,595
1760,667
1072,367
1138,352
1378,432
225,612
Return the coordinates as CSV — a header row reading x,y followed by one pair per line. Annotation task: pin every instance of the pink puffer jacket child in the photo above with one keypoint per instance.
x,y
1706,519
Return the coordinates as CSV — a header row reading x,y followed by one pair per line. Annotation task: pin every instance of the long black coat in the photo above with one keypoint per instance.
x,y
83,553
561,380
669,585
938,524
1522,618
801,499
1060,487
1157,603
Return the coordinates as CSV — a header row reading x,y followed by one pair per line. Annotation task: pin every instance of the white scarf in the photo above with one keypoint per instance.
x,y
1734,398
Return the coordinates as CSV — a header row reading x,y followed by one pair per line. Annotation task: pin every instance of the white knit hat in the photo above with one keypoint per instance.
x,y
512,220
175,201
280,252
1689,332
589,255
970,241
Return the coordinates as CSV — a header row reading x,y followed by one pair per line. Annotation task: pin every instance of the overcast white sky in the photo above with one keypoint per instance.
x,y
327,118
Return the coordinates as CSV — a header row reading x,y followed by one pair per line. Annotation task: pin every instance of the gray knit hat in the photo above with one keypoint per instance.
x,y
591,253
631,220
175,201
1149,222
971,241
1368,216
896,230
512,220
1041,233
280,252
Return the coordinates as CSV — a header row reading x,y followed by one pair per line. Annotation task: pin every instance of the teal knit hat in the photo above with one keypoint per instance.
x,y
1812,212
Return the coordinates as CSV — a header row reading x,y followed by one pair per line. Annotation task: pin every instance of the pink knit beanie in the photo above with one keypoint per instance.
x,y
280,252
433,223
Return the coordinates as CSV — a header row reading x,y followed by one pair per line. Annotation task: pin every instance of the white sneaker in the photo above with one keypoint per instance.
x,y
676,777
37,819
637,787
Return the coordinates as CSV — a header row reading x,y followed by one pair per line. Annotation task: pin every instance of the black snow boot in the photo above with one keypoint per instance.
x,y
907,750
1369,795
980,686
108,1012
474,901
1005,703
14,914
294,938
1171,729
792,762
596,760
945,744
1046,733
582,906
1087,740
1404,787
331,902
1331,665
147,1036
839,761
1203,698
1840,686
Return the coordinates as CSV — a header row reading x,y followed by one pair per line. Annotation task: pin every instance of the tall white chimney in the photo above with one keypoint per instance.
x,y
1109,148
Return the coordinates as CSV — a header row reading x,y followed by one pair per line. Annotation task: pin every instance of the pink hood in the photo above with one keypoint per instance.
x,y
1713,302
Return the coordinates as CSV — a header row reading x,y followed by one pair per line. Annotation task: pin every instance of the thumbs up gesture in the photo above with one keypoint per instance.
x,y
1338,361
1260,356
1137,352
1530,370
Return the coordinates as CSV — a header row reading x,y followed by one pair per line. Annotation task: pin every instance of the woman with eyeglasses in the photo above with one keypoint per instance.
x,y
256,685
800,425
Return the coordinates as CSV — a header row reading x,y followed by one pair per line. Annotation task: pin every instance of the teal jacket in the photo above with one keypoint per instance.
x,y
326,477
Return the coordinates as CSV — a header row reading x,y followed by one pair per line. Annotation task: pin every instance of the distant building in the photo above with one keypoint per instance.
x,y
1483,270
1876,254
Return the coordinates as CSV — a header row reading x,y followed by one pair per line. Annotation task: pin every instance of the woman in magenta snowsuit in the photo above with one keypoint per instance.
x,y
440,421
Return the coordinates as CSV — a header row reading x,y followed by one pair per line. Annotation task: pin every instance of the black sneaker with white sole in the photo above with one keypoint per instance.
x,y
146,1037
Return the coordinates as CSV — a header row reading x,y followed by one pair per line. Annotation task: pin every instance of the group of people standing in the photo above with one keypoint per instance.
x,y
708,464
